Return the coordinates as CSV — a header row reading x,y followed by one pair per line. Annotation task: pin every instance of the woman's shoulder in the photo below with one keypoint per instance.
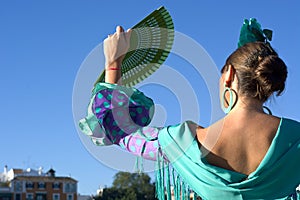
x,y
196,130
185,129
193,125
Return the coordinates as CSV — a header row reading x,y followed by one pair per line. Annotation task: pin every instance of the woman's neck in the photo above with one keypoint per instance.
x,y
247,106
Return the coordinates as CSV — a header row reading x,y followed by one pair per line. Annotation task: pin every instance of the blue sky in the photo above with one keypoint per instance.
x,y
44,43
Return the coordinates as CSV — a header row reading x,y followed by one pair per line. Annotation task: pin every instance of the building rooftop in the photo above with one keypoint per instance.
x,y
44,178
32,174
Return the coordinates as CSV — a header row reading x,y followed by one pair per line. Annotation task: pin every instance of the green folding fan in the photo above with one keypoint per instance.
x,y
150,44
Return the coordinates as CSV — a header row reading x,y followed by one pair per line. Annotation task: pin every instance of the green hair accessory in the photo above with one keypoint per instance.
x,y
251,31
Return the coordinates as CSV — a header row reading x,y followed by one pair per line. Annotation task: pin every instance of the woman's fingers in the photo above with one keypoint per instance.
x,y
125,34
119,29
128,34
116,45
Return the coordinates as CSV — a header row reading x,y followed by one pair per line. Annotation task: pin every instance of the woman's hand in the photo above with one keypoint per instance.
x,y
116,46
115,49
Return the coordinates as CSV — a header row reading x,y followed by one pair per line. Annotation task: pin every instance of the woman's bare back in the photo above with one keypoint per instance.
x,y
238,143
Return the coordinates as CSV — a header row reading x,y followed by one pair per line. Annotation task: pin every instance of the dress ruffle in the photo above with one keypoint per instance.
x,y
115,111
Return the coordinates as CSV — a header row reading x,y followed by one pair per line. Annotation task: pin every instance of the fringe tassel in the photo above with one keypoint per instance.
x,y
195,196
164,185
168,182
139,167
163,181
182,191
178,184
174,183
160,190
188,193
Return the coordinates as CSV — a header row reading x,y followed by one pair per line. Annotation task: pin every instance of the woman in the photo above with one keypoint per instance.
x,y
246,155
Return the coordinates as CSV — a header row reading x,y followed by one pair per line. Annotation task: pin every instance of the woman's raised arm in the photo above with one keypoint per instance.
x,y
115,49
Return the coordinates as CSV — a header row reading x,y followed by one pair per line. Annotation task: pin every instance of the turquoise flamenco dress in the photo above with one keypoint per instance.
x,y
119,115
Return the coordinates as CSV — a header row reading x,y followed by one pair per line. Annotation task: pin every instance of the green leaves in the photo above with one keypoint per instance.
x,y
129,186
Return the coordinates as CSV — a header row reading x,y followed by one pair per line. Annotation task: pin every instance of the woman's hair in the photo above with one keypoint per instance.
x,y
259,70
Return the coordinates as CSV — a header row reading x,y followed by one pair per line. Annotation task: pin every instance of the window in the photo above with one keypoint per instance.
x,y
70,197
41,196
18,186
29,185
70,187
56,186
29,196
18,197
41,185
56,197
67,187
73,187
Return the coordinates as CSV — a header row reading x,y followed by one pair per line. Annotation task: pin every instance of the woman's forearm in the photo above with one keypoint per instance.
x,y
115,47
113,73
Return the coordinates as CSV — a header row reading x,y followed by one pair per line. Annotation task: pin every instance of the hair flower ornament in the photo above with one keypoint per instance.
x,y
251,31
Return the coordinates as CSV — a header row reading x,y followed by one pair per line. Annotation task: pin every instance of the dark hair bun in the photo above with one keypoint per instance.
x,y
259,69
270,74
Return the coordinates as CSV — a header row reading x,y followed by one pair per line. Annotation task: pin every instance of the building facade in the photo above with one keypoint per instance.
x,y
32,184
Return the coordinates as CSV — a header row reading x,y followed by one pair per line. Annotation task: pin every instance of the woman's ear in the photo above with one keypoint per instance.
x,y
229,75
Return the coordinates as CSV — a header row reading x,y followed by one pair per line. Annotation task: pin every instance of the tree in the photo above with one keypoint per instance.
x,y
129,186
